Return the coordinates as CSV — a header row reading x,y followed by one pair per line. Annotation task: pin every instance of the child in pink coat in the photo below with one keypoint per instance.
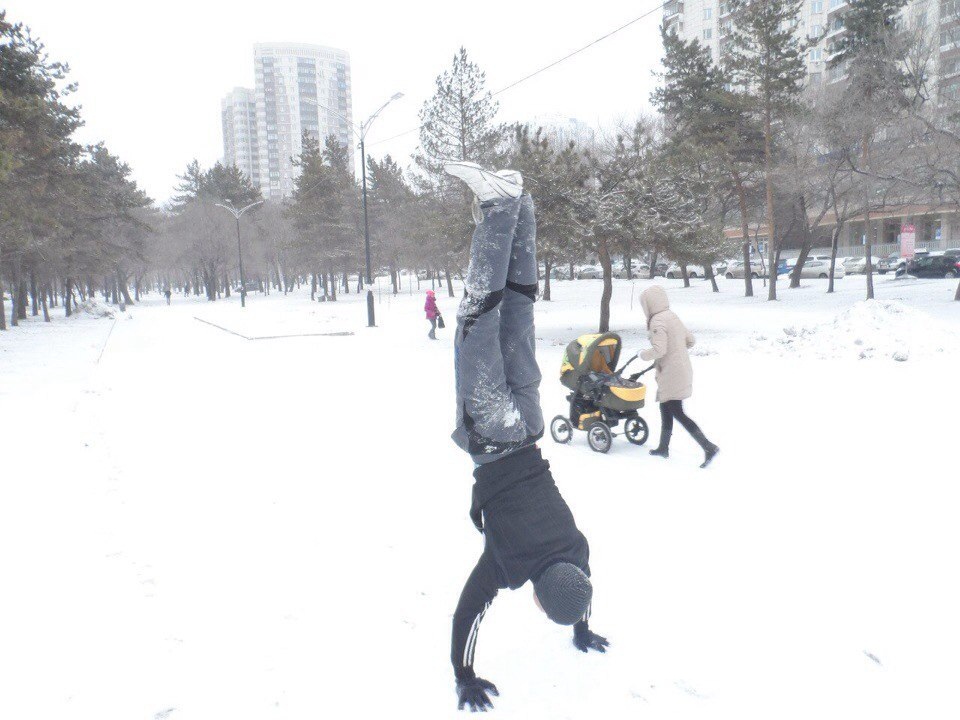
x,y
430,307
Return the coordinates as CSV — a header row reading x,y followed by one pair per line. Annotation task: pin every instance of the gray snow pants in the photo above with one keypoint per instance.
x,y
497,376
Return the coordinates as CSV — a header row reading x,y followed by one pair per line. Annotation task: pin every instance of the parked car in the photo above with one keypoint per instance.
x,y
896,264
891,263
673,271
735,270
858,266
952,252
819,268
660,269
589,272
637,270
935,266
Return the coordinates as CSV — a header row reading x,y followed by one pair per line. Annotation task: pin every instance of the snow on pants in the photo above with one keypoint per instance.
x,y
497,376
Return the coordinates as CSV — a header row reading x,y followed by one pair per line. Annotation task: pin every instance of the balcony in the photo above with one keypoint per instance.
x,y
672,9
836,6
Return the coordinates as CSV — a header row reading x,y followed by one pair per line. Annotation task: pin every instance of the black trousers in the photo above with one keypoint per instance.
x,y
674,409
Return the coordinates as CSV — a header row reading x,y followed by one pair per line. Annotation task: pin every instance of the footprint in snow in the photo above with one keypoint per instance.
x,y
163,714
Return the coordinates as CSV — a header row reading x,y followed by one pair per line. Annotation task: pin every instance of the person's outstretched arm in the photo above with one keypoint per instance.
x,y
585,639
480,590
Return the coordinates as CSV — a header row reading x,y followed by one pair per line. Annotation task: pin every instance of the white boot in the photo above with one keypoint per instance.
x,y
485,184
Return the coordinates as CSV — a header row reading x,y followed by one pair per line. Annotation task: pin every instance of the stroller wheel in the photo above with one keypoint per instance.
x,y
636,430
599,437
561,430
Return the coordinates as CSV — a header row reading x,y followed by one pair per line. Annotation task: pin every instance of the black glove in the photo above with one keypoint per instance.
x,y
635,376
472,692
585,640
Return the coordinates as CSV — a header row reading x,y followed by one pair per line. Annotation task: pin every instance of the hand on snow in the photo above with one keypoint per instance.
x,y
472,692
585,640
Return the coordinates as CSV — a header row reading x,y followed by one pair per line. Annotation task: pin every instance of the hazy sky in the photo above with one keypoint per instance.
x,y
151,75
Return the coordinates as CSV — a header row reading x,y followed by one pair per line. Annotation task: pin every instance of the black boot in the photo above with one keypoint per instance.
x,y
709,454
663,452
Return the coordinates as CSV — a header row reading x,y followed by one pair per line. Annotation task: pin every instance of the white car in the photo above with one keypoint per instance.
x,y
858,266
589,272
735,269
693,271
637,270
817,267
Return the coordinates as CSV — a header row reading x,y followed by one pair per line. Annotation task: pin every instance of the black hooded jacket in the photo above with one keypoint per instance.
x,y
527,527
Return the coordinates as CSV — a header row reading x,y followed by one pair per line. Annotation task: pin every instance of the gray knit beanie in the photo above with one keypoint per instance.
x,y
564,592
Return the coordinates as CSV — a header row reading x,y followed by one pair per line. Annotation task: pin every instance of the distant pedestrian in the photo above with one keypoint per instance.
x,y
430,307
167,294
671,341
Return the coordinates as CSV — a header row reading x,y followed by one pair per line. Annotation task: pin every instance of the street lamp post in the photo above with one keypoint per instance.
x,y
362,136
236,214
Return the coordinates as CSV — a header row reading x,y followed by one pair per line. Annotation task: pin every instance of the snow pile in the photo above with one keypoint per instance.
x,y
869,329
95,309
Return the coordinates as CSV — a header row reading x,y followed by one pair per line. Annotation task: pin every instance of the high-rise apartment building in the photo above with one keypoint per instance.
x,y
238,114
299,89
711,22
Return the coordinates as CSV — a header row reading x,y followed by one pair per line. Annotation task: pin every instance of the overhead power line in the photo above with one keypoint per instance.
x,y
553,64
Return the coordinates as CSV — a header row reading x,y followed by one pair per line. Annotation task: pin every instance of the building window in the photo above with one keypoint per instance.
x,y
708,13
708,33
816,6
816,54
816,31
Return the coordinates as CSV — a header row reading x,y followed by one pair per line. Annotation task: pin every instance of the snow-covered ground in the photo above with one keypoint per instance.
x,y
197,526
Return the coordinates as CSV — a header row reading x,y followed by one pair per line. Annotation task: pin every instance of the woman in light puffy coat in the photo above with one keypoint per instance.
x,y
671,341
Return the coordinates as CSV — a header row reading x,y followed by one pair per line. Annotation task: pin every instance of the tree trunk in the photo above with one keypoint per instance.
x,y
22,299
685,274
394,276
446,271
711,276
652,273
359,281
3,316
346,283
14,294
124,291
834,246
745,229
34,303
226,286
605,263
68,297
572,277
771,219
546,279
43,303
805,248
868,231
333,287
313,286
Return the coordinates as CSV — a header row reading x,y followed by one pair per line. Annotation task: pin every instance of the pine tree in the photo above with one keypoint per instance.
x,y
189,186
767,60
456,123
870,53
707,122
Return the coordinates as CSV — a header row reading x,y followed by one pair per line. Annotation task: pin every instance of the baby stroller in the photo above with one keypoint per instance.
x,y
601,397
